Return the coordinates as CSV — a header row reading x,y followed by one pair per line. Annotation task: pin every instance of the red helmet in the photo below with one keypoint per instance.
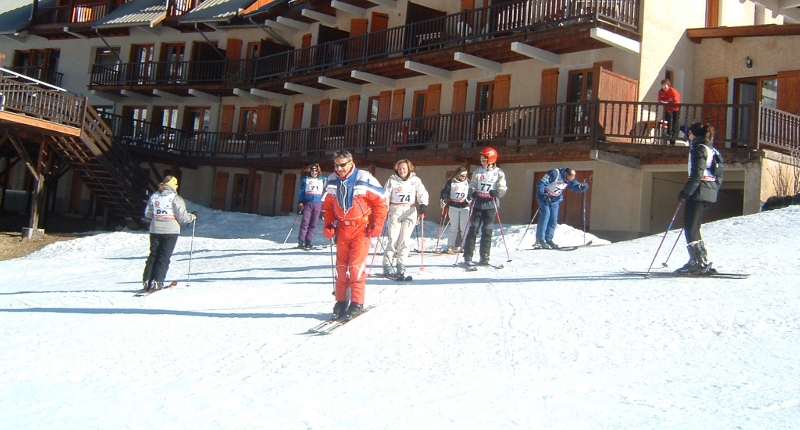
x,y
490,154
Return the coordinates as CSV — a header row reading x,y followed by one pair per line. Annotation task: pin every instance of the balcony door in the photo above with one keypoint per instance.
x,y
172,62
142,63
41,64
763,89
580,89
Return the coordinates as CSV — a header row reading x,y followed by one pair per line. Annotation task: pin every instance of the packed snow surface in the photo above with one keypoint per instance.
x,y
561,340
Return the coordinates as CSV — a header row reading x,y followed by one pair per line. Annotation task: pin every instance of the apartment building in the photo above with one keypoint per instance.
x,y
236,96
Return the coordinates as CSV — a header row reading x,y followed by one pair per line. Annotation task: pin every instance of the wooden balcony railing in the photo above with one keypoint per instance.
x,y
42,74
621,122
40,103
70,14
779,129
470,26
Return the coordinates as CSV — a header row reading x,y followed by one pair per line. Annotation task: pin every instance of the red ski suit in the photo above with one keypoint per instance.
x,y
357,203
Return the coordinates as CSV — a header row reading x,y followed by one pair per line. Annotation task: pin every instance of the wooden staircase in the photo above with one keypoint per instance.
x,y
33,114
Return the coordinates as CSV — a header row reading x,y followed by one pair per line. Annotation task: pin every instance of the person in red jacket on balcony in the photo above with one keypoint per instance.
x,y
354,209
669,95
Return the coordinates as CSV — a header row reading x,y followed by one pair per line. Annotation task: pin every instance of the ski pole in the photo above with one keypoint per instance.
x,y
295,222
502,234
664,237
464,234
422,248
664,264
333,270
445,213
374,253
191,247
584,214
526,228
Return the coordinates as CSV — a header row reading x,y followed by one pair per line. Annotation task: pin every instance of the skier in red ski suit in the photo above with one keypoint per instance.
x,y
354,210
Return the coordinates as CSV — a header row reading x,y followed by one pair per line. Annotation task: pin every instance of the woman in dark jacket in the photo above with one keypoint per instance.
x,y
699,193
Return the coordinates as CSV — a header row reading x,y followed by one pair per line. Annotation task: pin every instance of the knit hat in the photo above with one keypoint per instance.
x,y
170,181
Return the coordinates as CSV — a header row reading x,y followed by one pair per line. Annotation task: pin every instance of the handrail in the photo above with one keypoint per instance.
x,y
611,121
78,13
486,23
40,103
778,129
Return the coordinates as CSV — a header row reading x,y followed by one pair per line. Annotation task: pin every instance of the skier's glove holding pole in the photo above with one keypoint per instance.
x,y
329,231
493,193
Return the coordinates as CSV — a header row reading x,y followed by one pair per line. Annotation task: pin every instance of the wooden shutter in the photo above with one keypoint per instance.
x,y
467,5
398,102
262,118
226,121
384,105
715,90
353,103
457,124
548,96
789,91
297,119
254,185
380,21
220,191
613,87
502,92
433,99
358,26
234,50
325,113
287,197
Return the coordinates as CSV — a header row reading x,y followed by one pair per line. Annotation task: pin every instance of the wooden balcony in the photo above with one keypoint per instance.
x,y
50,22
558,26
520,134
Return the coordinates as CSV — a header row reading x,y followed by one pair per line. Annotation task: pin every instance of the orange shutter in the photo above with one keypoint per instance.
x,y
234,50
548,96
262,118
789,91
380,21
715,90
432,99
384,105
297,119
502,91
353,103
220,191
358,26
226,121
324,113
398,101
459,97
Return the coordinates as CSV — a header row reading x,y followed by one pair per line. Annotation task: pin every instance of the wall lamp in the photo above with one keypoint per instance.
x,y
748,62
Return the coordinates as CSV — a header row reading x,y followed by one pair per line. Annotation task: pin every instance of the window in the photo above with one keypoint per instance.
x,y
197,118
41,64
483,98
248,118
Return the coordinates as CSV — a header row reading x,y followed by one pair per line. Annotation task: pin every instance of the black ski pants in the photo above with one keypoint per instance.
x,y
693,214
161,247
482,220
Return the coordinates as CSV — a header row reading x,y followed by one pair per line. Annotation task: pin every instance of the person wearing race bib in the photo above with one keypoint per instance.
x,y
354,210
167,211
455,196
405,193
487,186
548,195
310,204
699,193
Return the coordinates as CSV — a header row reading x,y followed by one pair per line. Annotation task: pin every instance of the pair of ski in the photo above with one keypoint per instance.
x,y
406,278
329,325
719,275
143,293
562,248
474,267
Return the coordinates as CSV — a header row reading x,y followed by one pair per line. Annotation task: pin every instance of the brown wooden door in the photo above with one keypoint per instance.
x,y
239,197
715,90
220,191
226,121
288,195
75,194
570,211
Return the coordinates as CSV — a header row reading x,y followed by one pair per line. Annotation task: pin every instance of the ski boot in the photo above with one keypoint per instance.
x,y
550,243
541,243
354,310
339,310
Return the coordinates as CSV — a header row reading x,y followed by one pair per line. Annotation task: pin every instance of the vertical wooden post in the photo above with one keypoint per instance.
x,y
33,230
